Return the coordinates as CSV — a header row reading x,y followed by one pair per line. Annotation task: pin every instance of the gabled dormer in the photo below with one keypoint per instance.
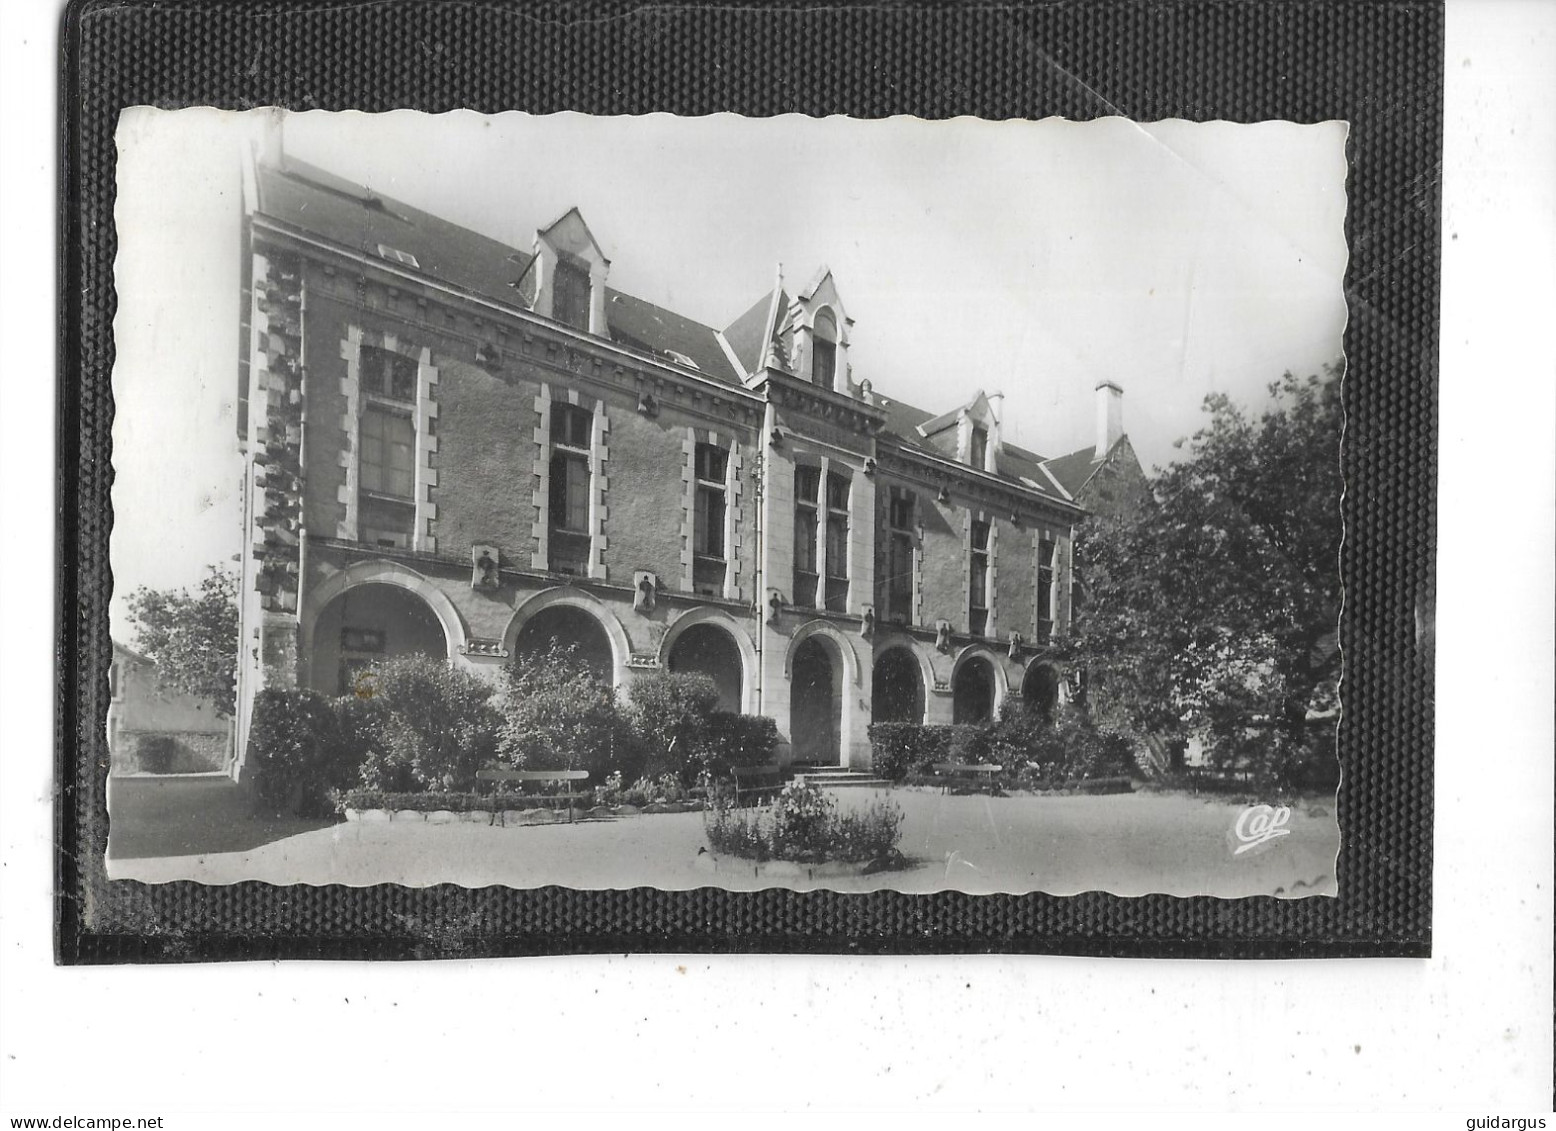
x,y
566,278
969,434
814,332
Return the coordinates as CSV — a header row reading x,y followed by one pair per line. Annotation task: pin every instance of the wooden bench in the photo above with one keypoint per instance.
x,y
757,781
522,776
975,772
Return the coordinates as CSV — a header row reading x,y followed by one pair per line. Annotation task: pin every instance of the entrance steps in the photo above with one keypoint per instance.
x,y
836,777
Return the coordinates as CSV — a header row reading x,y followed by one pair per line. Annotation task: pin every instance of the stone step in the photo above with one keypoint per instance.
x,y
841,779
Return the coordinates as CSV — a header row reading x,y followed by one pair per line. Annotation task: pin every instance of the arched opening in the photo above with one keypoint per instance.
x,y
364,626
816,703
569,627
897,688
710,650
972,692
1040,690
823,350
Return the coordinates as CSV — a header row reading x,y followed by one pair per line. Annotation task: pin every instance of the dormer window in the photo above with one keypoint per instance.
x,y
823,350
978,447
570,298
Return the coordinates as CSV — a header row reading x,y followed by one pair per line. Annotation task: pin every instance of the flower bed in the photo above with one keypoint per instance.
x,y
802,826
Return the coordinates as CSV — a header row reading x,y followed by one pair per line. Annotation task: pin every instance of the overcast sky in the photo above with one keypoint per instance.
x,y
1034,258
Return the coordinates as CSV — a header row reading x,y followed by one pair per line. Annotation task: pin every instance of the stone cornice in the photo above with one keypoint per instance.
x,y
787,391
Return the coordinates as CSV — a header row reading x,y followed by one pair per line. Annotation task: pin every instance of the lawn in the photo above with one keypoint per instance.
x,y
1129,844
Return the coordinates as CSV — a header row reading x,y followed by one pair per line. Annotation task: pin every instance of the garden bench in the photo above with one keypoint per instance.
x,y
522,776
756,781
981,775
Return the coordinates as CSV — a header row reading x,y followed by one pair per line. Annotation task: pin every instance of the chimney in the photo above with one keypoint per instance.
x,y
1110,417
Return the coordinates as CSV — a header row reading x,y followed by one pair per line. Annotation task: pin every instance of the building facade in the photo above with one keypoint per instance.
x,y
470,450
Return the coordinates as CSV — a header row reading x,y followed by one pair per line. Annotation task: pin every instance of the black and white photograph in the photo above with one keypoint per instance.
x,y
819,503
619,561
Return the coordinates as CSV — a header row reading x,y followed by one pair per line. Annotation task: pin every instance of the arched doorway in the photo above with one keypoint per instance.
x,y
972,692
897,688
816,703
365,625
574,629
710,650
1040,690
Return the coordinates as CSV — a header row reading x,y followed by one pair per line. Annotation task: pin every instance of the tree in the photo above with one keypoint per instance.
x,y
192,638
1213,613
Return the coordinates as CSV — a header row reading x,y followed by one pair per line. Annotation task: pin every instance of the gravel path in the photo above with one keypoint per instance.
x,y
1129,844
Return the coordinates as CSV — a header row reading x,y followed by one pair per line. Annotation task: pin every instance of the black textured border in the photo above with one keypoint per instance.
x,y
1378,65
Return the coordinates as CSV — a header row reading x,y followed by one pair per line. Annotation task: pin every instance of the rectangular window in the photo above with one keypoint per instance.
x,y
712,462
978,580
838,487
1045,589
570,427
807,482
386,373
979,448
823,362
570,294
568,504
570,492
388,465
897,585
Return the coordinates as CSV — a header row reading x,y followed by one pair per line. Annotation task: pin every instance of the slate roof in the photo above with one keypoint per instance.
x,y
321,204
1075,469
747,335
316,202
904,420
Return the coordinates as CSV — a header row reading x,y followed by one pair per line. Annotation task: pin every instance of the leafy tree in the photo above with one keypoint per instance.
x,y
1213,613
192,638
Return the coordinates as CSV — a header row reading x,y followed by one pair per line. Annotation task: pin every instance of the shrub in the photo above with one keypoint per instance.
x,y
436,721
295,751
969,743
738,832
801,814
900,749
670,713
1043,755
431,801
803,825
557,715
732,740
654,790
156,753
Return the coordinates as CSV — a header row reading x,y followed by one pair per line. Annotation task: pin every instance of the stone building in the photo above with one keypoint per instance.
x,y
155,729
467,449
